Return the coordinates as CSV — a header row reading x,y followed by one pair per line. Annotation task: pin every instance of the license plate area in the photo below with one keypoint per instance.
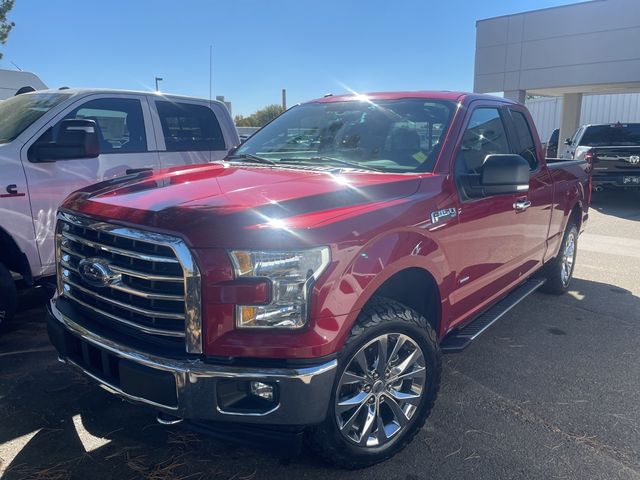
x,y
135,380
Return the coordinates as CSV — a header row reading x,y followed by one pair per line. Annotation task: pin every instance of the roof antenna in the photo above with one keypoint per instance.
x,y
210,80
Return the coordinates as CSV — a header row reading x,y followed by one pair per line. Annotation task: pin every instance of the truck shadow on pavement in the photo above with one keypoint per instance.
x,y
54,424
619,203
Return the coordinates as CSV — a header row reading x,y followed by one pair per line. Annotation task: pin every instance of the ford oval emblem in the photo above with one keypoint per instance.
x,y
97,272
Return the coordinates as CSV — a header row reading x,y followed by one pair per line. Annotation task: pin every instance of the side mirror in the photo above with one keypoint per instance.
x,y
76,138
568,142
504,173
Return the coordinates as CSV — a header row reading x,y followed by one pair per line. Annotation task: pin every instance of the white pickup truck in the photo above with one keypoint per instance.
x,y
53,142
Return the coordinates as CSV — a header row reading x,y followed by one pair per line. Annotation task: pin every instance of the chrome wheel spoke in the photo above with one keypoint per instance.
x,y
396,348
397,411
402,397
350,377
370,420
419,372
361,360
349,423
381,434
349,403
381,360
407,362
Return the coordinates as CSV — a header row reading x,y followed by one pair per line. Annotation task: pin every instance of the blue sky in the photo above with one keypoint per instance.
x,y
259,47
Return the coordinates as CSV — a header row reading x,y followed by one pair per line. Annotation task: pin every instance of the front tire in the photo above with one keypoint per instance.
x,y
8,298
386,384
559,271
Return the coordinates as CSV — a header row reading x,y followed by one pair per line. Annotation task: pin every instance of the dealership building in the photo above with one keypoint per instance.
x,y
571,52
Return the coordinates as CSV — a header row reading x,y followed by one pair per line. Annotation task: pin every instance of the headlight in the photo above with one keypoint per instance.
x,y
292,274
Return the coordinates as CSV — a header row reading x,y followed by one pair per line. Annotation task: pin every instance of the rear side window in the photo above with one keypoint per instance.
x,y
187,127
120,124
527,147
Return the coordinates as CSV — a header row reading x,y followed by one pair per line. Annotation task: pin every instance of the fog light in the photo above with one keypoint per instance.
x,y
262,390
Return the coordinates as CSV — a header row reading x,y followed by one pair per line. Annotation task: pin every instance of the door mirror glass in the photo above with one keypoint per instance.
x,y
504,173
74,139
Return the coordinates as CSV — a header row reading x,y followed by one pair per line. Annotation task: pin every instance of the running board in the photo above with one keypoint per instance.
x,y
460,339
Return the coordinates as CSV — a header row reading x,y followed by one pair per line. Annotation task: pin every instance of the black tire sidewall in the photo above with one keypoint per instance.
x,y
360,455
8,297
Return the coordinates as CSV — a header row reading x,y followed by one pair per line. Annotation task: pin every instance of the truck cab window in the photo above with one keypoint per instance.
x,y
485,134
188,127
119,122
527,147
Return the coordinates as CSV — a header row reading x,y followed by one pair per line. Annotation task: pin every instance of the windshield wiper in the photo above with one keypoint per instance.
x,y
251,157
347,163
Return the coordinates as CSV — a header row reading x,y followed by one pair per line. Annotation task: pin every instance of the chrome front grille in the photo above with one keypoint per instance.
x,y
153,286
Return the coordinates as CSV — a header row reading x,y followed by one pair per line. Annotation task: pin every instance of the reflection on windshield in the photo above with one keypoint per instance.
x,y
17,113
390,135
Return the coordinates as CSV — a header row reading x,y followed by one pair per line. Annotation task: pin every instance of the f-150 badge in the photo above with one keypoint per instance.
x,y
443,214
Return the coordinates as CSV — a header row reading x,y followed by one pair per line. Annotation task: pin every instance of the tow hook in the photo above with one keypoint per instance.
x,y
166,419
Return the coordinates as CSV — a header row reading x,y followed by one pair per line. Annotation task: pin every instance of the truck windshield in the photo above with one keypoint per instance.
x,y
610,135
390,135
17,113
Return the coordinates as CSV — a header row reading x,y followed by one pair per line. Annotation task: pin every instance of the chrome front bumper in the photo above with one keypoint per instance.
x,y
188,386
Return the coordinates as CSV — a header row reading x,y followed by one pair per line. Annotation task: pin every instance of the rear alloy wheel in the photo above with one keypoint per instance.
x,y
8,297
386,384
559,271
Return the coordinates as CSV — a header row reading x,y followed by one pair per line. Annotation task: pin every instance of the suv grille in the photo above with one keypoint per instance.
x,y
140,282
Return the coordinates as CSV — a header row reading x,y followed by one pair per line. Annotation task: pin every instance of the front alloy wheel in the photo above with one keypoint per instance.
x,y
380,390
386,384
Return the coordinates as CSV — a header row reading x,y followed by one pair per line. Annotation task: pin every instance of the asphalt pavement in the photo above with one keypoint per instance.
x,y
552,391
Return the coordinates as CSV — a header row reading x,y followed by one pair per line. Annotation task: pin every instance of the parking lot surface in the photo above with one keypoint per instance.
x,y
551,391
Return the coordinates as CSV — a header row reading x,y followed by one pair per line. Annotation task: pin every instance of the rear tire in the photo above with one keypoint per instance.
x,y
8,298
559,271
378,406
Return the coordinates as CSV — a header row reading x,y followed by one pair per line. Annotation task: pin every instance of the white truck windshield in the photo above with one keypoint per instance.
x,y
17,113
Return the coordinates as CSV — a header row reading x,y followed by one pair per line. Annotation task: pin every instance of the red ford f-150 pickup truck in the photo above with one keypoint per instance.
x,y
309,283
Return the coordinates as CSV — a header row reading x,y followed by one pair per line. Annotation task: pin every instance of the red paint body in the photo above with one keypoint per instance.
x,y
376,224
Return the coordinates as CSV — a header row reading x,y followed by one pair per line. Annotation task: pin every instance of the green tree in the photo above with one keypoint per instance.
x,y
259,118
5,25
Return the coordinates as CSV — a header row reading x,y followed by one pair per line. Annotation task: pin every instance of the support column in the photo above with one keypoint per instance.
x,y
516,95
570,119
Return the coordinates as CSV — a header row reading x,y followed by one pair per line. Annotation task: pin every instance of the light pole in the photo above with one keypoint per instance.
x,y
158,79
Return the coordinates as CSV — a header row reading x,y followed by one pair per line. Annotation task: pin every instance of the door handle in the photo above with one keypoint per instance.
x,y
521,205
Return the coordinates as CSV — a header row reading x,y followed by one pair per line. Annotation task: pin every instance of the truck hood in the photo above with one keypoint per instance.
x,y
222,204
